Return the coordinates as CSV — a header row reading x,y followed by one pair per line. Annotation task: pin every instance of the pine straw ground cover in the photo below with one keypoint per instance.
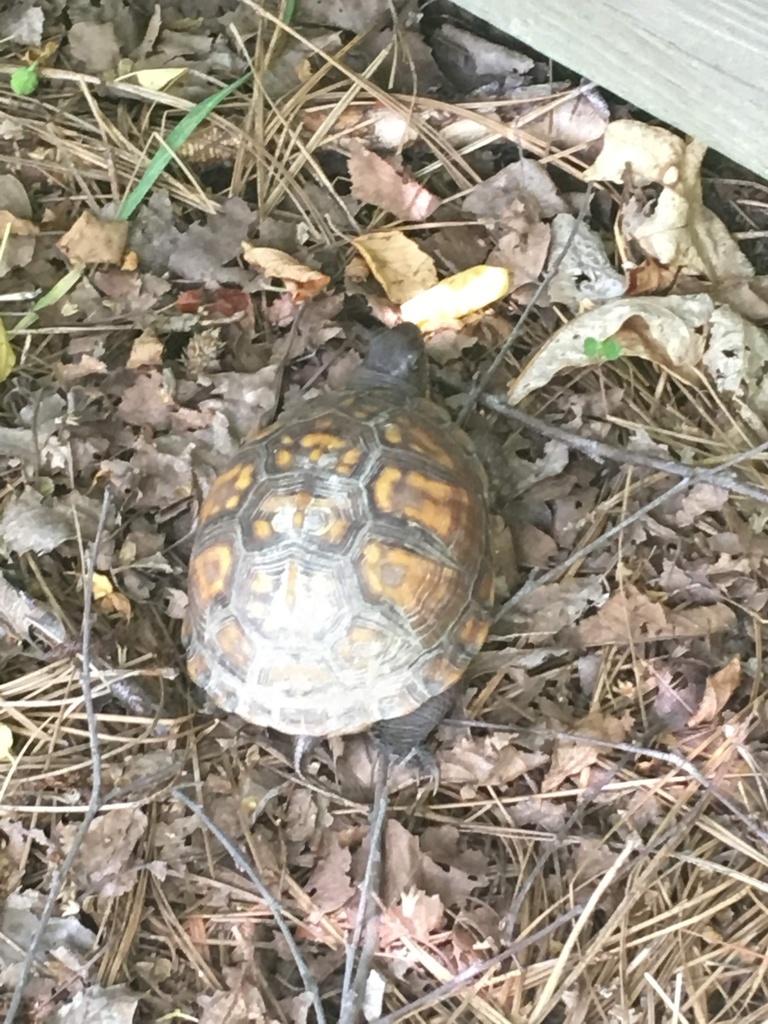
x,y
600,816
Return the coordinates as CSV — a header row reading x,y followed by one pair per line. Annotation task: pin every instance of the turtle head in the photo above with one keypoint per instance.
x,y
396,358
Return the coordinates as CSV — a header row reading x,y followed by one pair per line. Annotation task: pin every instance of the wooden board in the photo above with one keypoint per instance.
x,y
700,65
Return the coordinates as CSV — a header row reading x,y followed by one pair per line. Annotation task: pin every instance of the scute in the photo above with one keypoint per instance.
x,y
340,575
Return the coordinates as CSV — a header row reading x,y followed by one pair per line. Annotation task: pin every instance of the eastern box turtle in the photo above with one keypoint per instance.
x,y
340,574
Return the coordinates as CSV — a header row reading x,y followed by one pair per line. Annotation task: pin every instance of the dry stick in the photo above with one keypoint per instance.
x,y
477,389
602,540
598,451
94,804
463,978
353,988
273,905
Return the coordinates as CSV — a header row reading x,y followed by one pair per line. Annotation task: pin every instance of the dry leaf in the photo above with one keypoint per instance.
x,y
93,240
118,604
584,273
466,292
629,616
146,350
717,693
376,181
668,330
301,281
417,917
570,759
653,154
156,79
678,231
16,226
736,359
398,264
102,585
329,884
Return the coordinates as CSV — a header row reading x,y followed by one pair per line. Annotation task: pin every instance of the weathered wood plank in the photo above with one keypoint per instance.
x,y
700,65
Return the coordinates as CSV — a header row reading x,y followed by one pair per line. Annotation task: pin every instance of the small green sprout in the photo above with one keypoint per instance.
x,y
24,81
607,348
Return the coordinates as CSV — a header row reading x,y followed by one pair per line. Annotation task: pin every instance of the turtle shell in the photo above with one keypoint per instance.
x,y
341,574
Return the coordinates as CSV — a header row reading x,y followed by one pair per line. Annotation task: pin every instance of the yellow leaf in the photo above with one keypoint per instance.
x,y
6,743
398,264
456,297
118,604
102,586
7,355
155,79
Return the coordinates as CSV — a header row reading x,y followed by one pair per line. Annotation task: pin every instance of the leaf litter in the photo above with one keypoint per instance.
x,y
609,742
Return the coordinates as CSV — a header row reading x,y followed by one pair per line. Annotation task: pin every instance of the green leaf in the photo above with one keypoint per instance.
x,y
176,137
595,348
24,81
611,349
592,347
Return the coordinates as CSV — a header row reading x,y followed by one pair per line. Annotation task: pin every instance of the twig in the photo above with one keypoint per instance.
x,y
353,988
602,540
94,804
273,905
599,451
479,386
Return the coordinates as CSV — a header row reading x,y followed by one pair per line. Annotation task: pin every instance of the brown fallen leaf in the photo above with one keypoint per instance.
x,y
93,240
329,885
487,760
16,226
301,281
106,864
376,181
417,917
649,277
629,616
717,693
147,402
570,759
146,350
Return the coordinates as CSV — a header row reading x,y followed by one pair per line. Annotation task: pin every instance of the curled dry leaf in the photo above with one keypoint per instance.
x,y
466,292
402,269
668,330
678,230
93,240
717,693
301,281
376,181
